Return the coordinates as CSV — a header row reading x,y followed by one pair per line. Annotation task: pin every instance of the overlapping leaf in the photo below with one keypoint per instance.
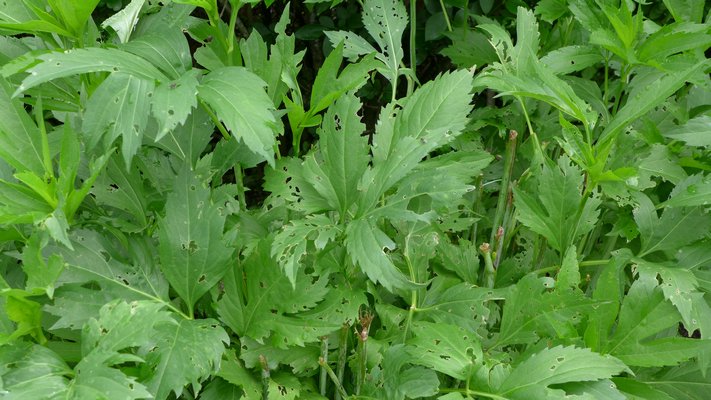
x,y
193,252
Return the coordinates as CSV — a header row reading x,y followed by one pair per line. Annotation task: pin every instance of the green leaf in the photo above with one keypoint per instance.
x,y
676,227
532,312
27,314
57,65
20,139
269,306
680,286
694,132
686,10
354,45
645,314
239,99
344,151
174,101
185,352
124,21
291,243
41,274
366,245
685,382
329,84
188,140
122,190
569,273
566,60
120,326
193,252
552,366
385,21
31,371
448,349
74,13
551,208
647,98
401,381
463,304
165,47
692,192
117,108
437,111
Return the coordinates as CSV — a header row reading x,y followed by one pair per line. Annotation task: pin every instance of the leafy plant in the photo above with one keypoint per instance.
x,y
195,203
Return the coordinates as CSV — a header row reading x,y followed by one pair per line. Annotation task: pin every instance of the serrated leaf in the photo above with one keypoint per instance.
x,y
553,211
401,381
123,189
531,312
174,101
675,228
566,60
329,84
291,243
680,286
569,274
165,47
463,304
647,98
695,132
117,108
300,359
239,99
437,110
344,150
184,353
193,252
57,65
366,245
353,44
93,260
20,139
120,326
448,349
692,192
643,315
31,371
557,365
385,21
269,306
188,140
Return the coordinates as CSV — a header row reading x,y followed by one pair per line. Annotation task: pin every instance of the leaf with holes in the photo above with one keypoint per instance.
x,y
448,349
554,366
193,252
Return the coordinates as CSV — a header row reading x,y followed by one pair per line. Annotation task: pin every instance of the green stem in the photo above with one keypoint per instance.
x,y
233,22
215,120
413,45
323,361
362,357
477,207
413,293
509,158
342,356
239,180
446,15
470,392
340,390
536,144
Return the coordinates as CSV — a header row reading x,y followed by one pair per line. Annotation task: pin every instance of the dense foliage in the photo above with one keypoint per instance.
x,y
245,199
